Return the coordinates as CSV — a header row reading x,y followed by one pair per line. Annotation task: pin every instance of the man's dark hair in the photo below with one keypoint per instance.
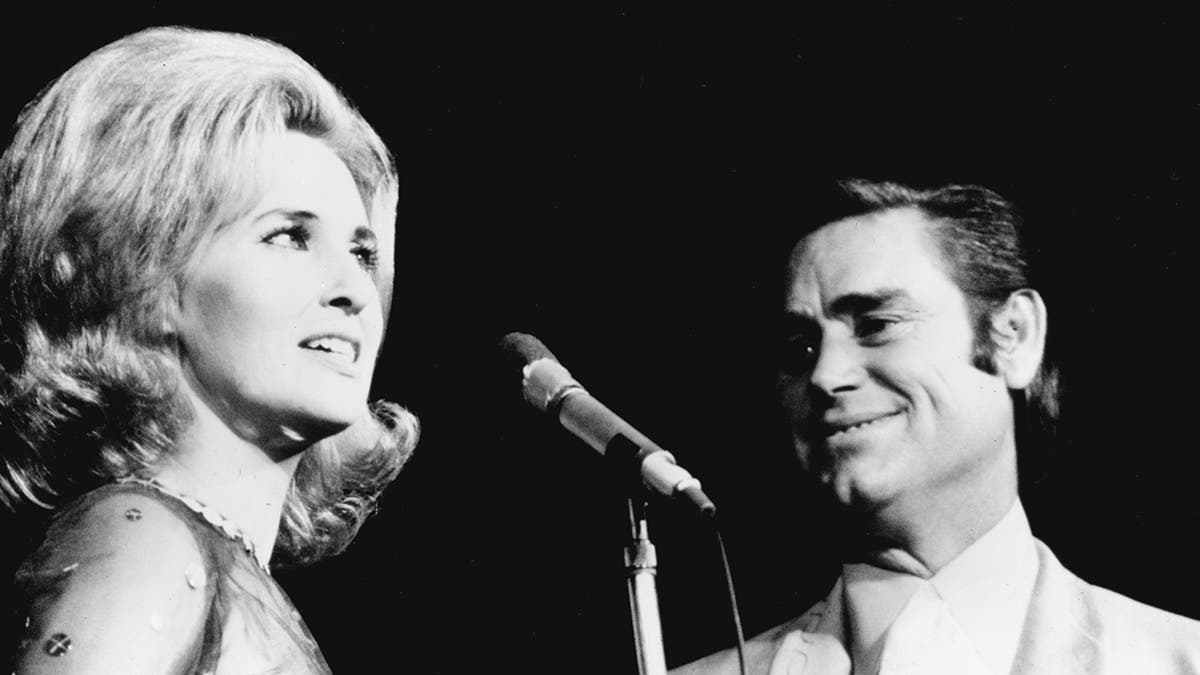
x,y
980,237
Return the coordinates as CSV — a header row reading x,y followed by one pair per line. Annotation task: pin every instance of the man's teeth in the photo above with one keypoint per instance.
x,y
332,345
860,424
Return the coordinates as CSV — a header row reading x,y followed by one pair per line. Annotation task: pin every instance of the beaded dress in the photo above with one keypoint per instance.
x,y
135,578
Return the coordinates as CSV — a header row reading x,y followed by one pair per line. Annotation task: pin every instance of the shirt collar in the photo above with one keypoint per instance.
x,y
988,587
874,597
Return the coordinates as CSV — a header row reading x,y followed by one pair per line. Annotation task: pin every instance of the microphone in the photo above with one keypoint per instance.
x,y
550,388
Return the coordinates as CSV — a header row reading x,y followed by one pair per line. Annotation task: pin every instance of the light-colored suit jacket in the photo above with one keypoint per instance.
x,y
1071,628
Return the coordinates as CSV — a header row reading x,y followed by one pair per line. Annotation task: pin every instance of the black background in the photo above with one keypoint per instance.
x,y
620,183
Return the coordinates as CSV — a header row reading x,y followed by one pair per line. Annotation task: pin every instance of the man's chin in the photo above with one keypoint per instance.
x,y
855,491
855,481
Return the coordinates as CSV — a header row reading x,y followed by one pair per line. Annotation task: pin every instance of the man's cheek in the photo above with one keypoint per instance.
x,y
793,400
803,450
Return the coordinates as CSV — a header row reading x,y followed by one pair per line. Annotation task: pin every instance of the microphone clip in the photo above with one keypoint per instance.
x,y
627,461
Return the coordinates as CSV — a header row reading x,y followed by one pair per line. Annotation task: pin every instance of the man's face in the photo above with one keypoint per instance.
x,y
883,401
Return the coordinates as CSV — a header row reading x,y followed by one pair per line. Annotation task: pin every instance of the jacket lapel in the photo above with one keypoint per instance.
x,y
813,644
1063,631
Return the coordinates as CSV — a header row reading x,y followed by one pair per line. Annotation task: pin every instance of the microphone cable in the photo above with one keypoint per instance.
x,y
733,604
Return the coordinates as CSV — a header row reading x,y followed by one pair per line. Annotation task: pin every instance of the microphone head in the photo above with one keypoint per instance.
x,y
543,379
525,346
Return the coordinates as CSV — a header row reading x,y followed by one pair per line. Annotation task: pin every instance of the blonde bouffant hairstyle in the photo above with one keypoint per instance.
x,y
118,174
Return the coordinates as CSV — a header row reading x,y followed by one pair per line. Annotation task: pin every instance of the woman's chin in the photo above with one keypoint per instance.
x,y
295,433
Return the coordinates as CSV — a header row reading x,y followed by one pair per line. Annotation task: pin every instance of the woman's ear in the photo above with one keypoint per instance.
x,y
169,312
1019,337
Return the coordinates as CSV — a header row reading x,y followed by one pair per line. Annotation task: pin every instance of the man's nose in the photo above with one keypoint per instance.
x,y
838,367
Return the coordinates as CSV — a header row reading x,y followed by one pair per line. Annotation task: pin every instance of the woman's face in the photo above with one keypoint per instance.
x,y
280,320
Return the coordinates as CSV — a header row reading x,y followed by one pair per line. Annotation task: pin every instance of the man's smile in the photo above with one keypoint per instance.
x,y
841,425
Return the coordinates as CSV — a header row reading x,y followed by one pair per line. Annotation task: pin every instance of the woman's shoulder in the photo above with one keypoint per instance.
x,y
120,579
120,526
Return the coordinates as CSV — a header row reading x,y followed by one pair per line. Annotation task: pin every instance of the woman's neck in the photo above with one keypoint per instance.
x,y
237,478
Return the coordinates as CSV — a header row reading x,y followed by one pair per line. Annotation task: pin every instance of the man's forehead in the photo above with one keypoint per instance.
x,y
866,234
890,252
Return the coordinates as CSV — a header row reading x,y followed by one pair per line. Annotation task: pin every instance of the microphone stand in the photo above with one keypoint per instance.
x,y
641,565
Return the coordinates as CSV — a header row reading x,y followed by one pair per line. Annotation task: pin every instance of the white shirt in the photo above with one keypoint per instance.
x,y
988,588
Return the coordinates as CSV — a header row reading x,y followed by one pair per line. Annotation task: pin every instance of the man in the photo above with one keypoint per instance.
x,y
914,345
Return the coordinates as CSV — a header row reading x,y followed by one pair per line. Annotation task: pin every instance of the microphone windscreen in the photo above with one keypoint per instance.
x,y
525,346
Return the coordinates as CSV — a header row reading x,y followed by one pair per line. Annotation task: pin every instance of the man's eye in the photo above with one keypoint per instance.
x,y
289,237
798,354
875,327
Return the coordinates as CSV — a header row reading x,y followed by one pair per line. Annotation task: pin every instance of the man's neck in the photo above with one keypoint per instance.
x,y
920,534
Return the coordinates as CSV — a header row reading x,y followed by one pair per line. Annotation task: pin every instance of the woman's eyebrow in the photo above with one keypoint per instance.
x,y
298,215
364,234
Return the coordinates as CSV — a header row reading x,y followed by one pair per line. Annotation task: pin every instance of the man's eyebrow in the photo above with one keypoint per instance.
x,y
855,304
795,322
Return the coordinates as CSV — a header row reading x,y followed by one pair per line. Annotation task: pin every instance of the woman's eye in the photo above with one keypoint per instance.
x,y
367,255
290,237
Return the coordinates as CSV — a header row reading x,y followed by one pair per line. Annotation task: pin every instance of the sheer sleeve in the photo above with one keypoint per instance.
x,y
120,585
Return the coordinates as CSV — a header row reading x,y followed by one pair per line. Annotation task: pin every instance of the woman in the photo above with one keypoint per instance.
x,y
197,238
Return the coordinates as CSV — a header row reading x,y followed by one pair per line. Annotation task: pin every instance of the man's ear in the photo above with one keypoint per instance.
x,y
1019,337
